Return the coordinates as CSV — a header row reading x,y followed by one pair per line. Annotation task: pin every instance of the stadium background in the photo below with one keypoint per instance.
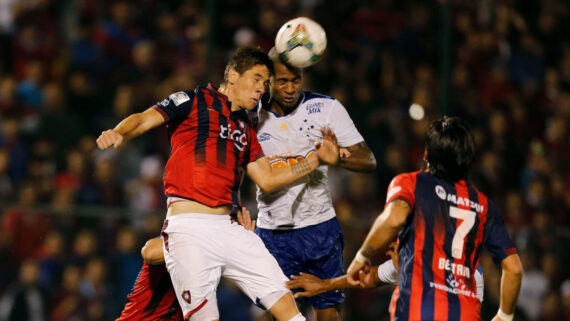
x,y
73,219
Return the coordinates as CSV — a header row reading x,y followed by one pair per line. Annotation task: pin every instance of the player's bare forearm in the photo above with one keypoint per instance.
x,y
510,283
385,227
139,123
130,127
361,158
270,179
313,285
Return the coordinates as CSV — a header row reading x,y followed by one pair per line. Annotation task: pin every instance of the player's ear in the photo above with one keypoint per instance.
x,y
233,76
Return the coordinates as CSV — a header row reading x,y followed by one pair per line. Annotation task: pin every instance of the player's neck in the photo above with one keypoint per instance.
x,y
281,110
228,90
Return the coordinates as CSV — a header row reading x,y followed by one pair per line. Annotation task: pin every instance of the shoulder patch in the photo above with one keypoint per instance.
x,y
179,98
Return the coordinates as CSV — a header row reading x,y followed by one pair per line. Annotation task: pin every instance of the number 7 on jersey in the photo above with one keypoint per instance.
x,y
468,218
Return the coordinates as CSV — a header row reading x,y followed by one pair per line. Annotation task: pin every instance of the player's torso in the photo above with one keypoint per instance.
x,y
440,247
208,149
285,140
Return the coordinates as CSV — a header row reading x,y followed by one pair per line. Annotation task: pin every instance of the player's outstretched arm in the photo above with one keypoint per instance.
x,y
269,178
510,287
384,230
361,158
130,127
313,285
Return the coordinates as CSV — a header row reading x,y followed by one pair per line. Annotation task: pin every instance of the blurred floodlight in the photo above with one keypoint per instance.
x,y
417,112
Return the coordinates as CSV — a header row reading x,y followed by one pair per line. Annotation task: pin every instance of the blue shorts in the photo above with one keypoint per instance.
x,y
315,249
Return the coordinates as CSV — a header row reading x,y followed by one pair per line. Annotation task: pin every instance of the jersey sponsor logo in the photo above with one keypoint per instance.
x,y
263,137
393,191
454,286
179,98
464,201
237,135
314,107
286,159
440,192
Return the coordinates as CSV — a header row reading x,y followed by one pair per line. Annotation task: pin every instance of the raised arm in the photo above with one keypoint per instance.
x,y
384,230
130,127
510,287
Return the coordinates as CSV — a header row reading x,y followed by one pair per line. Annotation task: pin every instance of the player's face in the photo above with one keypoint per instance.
x,y
251,85
286,86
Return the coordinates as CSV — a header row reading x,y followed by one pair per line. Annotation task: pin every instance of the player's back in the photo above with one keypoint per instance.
x,y
440,246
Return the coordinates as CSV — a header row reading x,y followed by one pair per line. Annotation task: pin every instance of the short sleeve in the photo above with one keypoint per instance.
x,y
498,241
255,151
403,187
343,126
176,106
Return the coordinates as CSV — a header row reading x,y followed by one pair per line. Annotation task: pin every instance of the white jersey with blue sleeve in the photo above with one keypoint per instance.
x,y
288,139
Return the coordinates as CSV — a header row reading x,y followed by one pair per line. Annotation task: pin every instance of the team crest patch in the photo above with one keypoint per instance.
x,y
187,297
179,98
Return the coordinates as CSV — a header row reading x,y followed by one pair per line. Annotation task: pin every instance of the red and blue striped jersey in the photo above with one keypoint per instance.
x,y
440,247
152,297
209,146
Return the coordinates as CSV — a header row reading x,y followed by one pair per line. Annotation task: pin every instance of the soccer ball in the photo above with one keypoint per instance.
x,y
301,42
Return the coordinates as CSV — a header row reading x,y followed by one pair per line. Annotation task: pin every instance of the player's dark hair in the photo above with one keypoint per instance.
x,y
450,148
246,58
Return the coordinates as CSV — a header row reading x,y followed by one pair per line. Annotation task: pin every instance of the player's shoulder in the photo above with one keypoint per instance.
x,y
408,178
179,97
309,95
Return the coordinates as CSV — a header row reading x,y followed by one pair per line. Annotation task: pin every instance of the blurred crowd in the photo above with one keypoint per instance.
x,y
73,218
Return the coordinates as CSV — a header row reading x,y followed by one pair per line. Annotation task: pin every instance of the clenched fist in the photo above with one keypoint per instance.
x,y
109,138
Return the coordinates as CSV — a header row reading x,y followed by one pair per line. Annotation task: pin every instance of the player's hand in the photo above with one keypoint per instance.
x,y
109,138
244,218
354,270
369,277
311,284
343,153
328,150
393,253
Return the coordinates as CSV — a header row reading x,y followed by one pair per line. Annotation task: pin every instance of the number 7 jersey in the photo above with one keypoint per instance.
x,y
440,247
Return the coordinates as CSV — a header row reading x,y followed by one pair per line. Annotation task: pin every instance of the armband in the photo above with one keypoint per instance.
x,y
361,258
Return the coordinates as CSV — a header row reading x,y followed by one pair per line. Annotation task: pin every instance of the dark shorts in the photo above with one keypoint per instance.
x,y
315,249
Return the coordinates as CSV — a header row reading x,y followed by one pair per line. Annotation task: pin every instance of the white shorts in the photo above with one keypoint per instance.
x,y
199,248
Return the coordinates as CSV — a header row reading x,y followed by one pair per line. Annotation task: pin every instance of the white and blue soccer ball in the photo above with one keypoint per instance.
x,y
301,42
